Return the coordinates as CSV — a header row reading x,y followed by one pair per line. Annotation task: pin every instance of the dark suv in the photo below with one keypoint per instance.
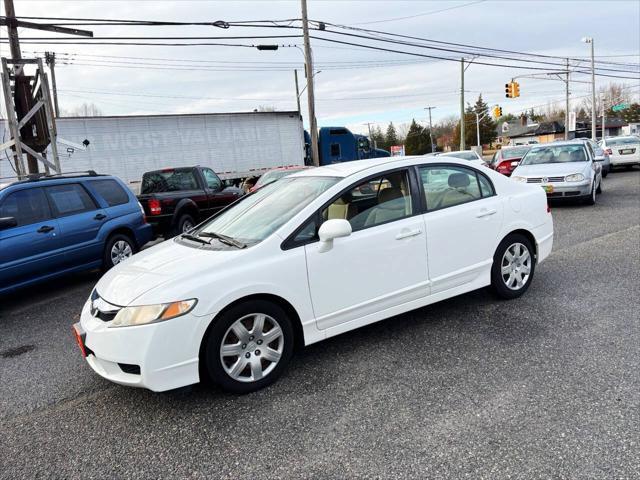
x,y
52,225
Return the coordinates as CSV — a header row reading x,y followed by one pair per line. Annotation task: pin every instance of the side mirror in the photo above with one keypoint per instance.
x,y
9,222
330,230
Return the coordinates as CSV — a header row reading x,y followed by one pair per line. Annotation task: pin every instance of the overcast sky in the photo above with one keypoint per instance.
x,y
394,87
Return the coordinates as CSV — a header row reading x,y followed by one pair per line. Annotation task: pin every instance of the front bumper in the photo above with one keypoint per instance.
x,y
569,189
165,353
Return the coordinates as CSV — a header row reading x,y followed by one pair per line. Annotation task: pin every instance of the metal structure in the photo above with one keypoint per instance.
x,y
31,122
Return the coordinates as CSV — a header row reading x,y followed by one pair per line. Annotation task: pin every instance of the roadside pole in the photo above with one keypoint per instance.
x,y
430,128
462,146
310,89
566,105
603,113
295,72
478,128
50,58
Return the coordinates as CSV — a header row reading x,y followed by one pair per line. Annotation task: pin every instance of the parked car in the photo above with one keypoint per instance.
x,y
563,169
622,151
599,154
506,159
284,266
177,199
469,155
276,174
53,225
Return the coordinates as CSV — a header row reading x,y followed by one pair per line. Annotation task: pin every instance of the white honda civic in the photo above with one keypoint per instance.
x,y
316,254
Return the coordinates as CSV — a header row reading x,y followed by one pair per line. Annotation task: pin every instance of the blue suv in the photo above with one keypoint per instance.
x,y
52,225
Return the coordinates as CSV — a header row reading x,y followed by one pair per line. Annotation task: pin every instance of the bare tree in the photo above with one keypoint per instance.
x,y
613,94
84,110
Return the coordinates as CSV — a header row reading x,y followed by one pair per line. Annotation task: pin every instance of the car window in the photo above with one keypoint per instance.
x,y
26,206
373,202
171,180
111,191
446,186
69,199
212,180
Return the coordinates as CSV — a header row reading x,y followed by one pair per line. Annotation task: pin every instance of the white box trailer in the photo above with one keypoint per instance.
x,y
235,145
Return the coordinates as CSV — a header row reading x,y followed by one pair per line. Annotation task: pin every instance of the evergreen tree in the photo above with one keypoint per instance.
x,y
377,137
391,138
417,141
487,125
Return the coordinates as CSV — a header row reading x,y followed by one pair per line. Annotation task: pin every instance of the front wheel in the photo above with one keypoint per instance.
x,y
591,199
249,346
513,266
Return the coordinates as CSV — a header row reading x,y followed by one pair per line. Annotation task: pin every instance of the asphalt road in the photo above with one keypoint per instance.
x,y
544,386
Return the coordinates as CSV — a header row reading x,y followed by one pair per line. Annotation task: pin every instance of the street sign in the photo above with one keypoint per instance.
x,y
620,106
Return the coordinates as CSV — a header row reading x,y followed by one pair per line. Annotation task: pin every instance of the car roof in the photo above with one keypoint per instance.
x,y
53,179
347,169
558,144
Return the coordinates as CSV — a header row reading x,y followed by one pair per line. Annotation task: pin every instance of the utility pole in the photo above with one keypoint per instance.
x,y
295,72
50,58
462,146
430,128
310,89
603,113
566,105
589,40
478,128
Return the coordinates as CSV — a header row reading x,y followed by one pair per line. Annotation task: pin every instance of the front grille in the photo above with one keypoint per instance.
x,y
102,309
571,194
549,180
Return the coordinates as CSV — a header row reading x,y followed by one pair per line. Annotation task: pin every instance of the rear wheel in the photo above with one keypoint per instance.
x,y
249,346
118,248
513,266
183,225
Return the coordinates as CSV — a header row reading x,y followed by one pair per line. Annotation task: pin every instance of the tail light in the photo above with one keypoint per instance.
x,y
608,151
154,207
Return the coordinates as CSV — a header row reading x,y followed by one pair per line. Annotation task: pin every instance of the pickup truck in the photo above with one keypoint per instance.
x,y
176,199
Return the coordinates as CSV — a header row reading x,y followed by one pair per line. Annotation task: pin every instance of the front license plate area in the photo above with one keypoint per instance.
x,y
548,188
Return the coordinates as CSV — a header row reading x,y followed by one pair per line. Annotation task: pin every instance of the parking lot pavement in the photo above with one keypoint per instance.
x,y
543,386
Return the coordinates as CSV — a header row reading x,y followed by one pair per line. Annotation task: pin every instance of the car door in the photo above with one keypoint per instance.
x,y
80,220
383,262
462,221
31,249
218,196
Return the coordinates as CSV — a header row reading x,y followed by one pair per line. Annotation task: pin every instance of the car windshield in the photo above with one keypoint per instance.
x,y
509,153
462,155
615,142
555,154
258,215
273,175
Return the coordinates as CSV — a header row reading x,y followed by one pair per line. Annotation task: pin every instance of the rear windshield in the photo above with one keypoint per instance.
x,y
514,153
614,142
169,181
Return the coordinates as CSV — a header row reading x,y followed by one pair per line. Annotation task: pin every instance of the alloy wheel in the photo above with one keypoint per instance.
x,y
516,266
120,251
252,347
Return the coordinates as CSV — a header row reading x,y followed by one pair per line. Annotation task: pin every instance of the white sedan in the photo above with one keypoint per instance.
x,y
316,254
623,151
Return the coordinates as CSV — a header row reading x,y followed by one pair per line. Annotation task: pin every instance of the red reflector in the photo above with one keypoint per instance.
x,y
548,208
79,341
154,207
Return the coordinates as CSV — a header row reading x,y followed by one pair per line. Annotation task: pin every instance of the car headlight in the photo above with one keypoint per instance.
x,y
519,179
576,177
129,316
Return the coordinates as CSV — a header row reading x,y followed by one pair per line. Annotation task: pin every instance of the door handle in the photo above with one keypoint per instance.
x,y
100,216
408,233
44,229
485,213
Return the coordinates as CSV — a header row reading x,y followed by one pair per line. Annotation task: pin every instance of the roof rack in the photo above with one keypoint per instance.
x,y
43,176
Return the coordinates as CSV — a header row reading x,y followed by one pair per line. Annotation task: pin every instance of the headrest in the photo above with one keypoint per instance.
x,y
459,180
389,194
577,156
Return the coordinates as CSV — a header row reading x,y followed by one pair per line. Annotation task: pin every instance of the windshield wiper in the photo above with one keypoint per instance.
x,y
224,239
188,236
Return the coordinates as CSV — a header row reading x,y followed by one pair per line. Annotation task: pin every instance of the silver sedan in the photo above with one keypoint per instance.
x,y
563,169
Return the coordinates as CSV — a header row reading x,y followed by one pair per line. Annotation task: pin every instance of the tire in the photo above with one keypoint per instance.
x,y
247,354
599,189
118,248
591,199
185,223
605,172
514,280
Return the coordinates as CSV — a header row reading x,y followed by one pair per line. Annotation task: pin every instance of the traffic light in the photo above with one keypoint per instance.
x,y
497,111
516,89
508,90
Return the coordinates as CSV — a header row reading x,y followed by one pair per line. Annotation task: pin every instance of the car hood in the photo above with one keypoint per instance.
x,y
551,169
157,266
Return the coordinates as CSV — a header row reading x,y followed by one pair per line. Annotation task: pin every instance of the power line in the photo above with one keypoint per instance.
x,y
419,14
